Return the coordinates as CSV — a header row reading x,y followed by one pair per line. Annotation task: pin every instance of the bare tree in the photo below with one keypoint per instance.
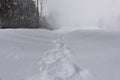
x,y
52,19
41,8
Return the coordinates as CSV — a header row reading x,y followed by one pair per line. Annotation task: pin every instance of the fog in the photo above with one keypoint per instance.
x,y
86,12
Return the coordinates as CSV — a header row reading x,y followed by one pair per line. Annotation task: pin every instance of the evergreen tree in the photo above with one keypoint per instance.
x,y
18,14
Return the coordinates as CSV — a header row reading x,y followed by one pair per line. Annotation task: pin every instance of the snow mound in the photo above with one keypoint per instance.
x,y
57,65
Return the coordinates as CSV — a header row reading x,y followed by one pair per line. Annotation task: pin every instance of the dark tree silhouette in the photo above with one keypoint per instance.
x,y
18,14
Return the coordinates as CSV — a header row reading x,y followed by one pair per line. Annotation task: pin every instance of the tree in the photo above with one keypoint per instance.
x,y
18,14
52,19
49,20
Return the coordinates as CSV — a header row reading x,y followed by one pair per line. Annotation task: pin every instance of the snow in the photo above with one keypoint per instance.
x,y
56,65
29,55
68,29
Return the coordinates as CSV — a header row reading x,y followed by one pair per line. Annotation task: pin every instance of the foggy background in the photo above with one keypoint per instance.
x,y
86,13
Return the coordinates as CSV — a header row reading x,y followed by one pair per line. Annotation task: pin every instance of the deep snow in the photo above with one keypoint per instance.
x,y
96,51
57,64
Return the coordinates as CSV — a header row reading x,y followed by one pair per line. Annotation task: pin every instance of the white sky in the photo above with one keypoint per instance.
x,y
84,12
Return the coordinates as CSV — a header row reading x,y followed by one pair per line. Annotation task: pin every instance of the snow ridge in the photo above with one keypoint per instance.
x,y
57,65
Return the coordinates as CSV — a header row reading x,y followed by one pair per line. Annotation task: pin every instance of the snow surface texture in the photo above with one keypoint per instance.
x,y
57,65
21,52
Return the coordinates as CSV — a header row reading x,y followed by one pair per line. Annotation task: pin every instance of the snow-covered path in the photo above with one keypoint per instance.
x,y
21,50
57,64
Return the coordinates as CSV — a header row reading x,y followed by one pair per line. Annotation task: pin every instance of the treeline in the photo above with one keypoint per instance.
x,y
21,14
